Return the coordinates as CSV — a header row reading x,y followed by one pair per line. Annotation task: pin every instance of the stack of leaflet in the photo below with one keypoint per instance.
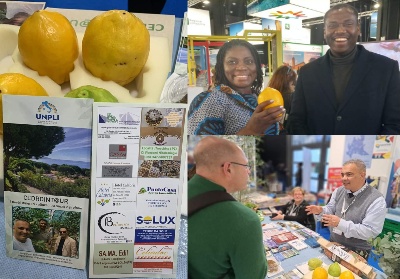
x,y
283,237
294,225
297,244
284,251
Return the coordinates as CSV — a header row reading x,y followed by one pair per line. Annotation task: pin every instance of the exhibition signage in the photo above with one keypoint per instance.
x,y
359,147
137,178
288,9
334,179
383,147
297,55
198,22
47,146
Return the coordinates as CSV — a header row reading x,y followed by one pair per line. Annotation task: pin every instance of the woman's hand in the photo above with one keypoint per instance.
x,y
262,119
280,216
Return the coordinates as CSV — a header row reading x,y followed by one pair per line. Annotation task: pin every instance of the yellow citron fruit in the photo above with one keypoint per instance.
x,y
48,44
320,273
346,275
270,93
115,46
17,84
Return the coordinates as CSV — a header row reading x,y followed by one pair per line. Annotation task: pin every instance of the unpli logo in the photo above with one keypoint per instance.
x,y
47,111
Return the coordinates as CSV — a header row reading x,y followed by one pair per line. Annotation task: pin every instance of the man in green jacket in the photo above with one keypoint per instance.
x,y
225,239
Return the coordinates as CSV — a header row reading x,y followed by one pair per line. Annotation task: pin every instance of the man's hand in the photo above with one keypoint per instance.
x,y
313,209
330,220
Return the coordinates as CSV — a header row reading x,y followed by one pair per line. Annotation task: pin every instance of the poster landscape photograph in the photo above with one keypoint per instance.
x,y
47,160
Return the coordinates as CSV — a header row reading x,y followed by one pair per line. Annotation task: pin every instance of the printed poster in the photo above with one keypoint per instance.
x,y
47,147
394,179
136,189
334,178
383,147
359,147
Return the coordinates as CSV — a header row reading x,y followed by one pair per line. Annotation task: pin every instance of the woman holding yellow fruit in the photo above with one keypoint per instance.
x,y
230,107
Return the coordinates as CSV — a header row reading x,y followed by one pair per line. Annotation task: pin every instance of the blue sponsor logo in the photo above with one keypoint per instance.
x,y
47,111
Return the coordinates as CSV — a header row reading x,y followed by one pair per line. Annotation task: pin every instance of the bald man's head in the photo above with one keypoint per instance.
x,y
222,162
22,230
212,151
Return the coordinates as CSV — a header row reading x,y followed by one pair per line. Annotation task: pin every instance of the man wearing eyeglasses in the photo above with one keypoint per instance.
x,y
65,246
21,240
225,238
348,91
355,212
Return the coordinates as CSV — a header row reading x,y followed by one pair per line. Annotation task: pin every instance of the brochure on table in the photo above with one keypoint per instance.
x,y
47,147
137,178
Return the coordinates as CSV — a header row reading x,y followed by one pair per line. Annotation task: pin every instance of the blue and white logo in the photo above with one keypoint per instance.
x,y
47,111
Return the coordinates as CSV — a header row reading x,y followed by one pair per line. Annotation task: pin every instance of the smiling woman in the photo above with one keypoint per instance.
x,y
230,107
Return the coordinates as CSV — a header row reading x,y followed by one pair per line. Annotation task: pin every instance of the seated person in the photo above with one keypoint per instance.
x,y
295,210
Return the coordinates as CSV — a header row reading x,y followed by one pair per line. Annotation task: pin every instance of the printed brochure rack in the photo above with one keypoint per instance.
x,y
137,179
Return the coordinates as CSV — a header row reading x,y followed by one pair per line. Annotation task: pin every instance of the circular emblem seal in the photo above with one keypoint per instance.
x,y
154,117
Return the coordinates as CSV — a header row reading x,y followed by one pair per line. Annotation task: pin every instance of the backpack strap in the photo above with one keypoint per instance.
x,y
204,200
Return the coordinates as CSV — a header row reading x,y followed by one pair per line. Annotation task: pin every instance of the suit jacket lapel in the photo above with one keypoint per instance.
x,y
325,79
360,69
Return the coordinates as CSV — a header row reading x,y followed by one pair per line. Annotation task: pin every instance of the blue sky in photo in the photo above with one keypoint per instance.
x,y
75,148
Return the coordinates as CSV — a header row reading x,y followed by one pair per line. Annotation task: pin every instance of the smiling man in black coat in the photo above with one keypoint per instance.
x,y
349,90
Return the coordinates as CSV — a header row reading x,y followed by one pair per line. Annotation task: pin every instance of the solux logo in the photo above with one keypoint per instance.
x,y
109,118
155,220
47,111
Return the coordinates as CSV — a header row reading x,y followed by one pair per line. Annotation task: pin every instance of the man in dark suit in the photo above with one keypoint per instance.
x,y
349,90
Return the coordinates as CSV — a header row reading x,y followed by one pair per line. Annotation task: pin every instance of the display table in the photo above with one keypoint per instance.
x,y
291,263
262,200
14,268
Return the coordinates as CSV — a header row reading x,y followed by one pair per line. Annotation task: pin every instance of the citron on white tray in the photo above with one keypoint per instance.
x,y
309,275
146,88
